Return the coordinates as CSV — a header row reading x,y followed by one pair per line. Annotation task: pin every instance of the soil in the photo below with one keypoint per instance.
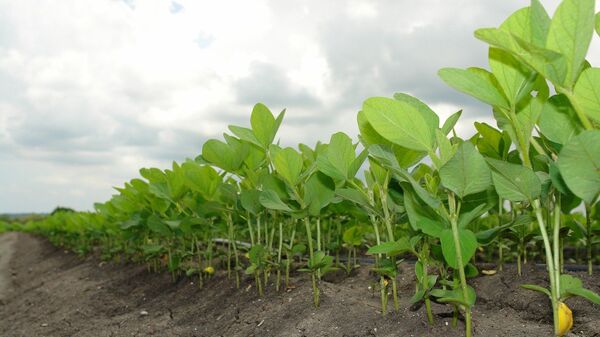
x,y
51,292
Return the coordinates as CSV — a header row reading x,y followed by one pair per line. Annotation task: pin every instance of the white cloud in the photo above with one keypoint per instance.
x,y
90,91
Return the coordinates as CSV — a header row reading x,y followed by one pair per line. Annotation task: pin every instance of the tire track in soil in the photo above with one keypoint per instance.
x,y
7,247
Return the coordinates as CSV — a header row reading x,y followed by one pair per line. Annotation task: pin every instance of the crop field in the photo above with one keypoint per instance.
x,y
405,229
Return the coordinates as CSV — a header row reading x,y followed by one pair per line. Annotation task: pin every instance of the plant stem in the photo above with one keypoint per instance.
x,y
556,243
549,262
459,260
279,256
425,283
311,255
249,221
588,239
578,110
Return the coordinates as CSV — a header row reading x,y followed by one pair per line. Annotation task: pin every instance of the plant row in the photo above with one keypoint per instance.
x,y
523,190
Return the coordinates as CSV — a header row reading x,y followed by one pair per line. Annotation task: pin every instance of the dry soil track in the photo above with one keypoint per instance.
x,y
50,292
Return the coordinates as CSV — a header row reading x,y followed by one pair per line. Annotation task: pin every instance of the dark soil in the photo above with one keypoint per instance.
x,y
56,293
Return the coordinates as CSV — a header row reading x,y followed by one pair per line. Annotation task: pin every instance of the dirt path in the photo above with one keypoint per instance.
x,y
7,243
55,293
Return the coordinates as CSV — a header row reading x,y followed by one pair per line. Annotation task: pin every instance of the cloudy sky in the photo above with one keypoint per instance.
x,y
92,90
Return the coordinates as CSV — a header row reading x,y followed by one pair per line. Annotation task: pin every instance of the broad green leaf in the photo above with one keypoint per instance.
x,y
570,34
263,124
598,23
355,196
386,158
468,246
420,218
430,227
250,200
429,115
455,296
221,154
201,179
269,199
451,122
245,134
357,163
527,118
558,121
587,93
514,182
520,25
569,282
487,236
319,190
536,288
579,165
539,23
466,218
353,236
153,175
550,64
585,293
492,142
400,123
476,82
338,158
445,148
369,136
557,180
467,172
512,75
288,163
392,248
157,226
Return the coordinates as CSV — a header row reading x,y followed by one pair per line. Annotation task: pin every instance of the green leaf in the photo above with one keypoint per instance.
x,y
455,296
514,182
468,246
445,148
579,165
585,293
476,82
288,163
201,179
570,34
263,124
492,143
429,115
467,172
250,200
539,23
467,217
451,122
430,227
550,64
356,197
512,75
392,248
400,123
318,192
536,288
245,134
568,282
269,199
157,226
598,23
587,93
338,157
558,121
221,154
